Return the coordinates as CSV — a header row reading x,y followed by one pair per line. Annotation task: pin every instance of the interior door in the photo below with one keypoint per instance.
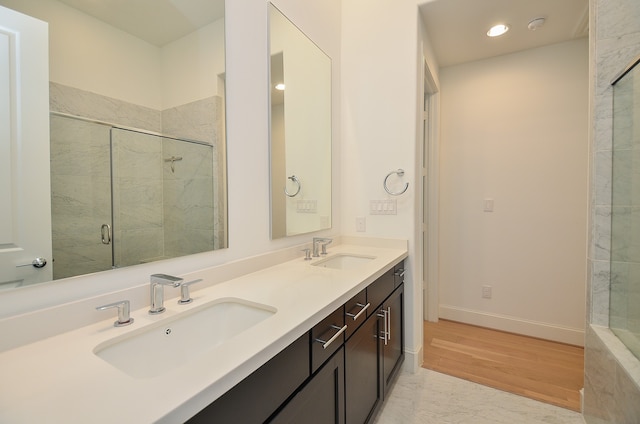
x,y
25,204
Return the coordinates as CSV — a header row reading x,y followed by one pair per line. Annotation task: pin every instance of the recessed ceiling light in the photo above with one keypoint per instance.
x,y
280,87
497,30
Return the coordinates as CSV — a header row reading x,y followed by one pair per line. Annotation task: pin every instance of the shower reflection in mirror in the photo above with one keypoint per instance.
x,y
157,194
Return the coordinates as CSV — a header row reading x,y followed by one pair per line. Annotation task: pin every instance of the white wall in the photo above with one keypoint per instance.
x,y
379,110
88,54
514,129
203,50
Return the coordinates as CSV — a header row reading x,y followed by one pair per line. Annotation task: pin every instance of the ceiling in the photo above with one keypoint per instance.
x,y
158,22
457,28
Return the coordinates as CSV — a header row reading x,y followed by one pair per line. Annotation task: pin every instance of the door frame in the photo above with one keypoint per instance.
x,y
430,190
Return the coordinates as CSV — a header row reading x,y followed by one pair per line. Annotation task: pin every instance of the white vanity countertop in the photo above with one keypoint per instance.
x,y
61,380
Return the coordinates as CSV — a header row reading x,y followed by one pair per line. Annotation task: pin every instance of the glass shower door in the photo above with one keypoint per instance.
x,y
624,310
163,197
80,197
137,197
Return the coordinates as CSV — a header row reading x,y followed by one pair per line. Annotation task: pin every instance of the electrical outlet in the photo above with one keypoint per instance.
x,y
486,292
361,224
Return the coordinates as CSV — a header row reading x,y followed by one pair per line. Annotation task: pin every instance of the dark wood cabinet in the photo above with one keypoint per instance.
x,y
373,357
337,372
363,386
256,397
393,346
321,399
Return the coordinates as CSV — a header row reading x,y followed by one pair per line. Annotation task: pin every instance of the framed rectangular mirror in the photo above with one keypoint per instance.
x,y
137,133
300,130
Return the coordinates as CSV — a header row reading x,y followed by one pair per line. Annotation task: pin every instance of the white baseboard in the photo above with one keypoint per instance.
x,y
573,336
412,360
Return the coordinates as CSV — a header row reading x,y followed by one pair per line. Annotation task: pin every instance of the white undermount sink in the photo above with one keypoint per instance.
x,y
158,348
344,261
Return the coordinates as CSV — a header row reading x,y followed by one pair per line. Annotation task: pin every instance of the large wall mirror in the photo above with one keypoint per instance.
x,y
300,130
137,132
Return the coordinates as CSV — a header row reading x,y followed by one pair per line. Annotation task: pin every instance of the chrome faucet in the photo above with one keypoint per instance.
x,y
157,290
320,241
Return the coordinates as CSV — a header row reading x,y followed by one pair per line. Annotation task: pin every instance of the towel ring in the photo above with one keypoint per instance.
x,y
295,180
399,173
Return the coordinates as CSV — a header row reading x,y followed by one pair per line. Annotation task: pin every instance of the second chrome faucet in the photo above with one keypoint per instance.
x,y
158,281
320,241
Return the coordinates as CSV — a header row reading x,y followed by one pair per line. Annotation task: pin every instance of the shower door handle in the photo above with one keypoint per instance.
x,y
105,232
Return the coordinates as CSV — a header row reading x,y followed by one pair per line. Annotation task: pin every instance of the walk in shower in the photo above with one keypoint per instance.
x,y
624,308
122,196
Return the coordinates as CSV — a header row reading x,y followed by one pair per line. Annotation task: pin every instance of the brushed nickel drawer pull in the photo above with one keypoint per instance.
x,y
356,316
385,333
326,344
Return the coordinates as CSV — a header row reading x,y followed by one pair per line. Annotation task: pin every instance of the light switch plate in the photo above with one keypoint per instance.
x,y
383,207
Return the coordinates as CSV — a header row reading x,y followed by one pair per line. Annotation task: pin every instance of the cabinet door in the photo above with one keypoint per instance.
x,y
321,399
363,389
393,346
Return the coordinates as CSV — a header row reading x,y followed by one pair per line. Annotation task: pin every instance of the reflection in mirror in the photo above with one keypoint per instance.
x,y
138,156
300,130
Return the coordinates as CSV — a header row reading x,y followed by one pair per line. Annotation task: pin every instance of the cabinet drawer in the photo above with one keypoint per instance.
x,y
398,274
379,290
327,337
355,312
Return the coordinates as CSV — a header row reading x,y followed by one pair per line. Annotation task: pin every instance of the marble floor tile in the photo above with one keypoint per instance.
x,y
429,397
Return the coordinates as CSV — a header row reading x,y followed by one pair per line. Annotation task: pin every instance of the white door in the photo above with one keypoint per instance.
x,y
25,202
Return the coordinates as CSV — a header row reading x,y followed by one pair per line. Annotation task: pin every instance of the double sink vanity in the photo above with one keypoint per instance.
x,y
319,339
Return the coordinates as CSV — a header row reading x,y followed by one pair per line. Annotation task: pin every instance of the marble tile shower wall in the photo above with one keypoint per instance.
x,y
611,392
188,212
65,99
142,227
137,198
193,121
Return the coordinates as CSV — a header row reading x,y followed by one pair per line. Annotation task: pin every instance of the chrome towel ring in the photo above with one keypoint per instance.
x,y
295,180
399,173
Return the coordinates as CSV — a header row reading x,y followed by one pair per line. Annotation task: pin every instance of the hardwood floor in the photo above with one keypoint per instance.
x,y
539,369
